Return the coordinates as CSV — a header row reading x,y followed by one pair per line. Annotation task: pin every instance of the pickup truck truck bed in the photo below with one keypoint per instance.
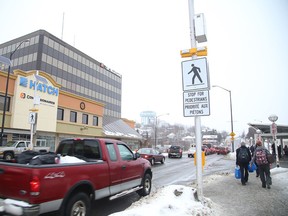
x,y
110,169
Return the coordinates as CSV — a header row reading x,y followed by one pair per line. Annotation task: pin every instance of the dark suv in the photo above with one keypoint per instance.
x,y
175,151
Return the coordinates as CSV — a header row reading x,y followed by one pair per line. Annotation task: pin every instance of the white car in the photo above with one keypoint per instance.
x,y
191,152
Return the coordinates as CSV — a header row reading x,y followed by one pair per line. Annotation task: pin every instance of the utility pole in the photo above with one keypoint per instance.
x,y
197,119
193,92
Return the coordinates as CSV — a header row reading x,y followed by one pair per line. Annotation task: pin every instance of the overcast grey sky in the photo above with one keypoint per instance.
x,y
141,39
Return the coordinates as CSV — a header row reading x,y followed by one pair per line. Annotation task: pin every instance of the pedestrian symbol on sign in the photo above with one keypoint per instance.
x,y
196,71
32,118
195,74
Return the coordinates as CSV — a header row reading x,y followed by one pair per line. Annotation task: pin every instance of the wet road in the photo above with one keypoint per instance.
x,y
173,171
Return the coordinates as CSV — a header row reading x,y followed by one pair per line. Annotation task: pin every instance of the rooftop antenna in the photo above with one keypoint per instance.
x,y
62,26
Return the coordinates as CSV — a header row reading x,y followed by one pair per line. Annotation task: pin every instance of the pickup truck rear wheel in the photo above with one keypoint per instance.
x,y
8,156
146,183
78,205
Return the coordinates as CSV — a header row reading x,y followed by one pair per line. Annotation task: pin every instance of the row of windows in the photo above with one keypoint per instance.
x,y
73,117
80,74
71,66
60,113
11,48
21,61
67,85
73,55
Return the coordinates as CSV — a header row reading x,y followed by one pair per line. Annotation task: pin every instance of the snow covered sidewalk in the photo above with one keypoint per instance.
x,y
223,196
232,198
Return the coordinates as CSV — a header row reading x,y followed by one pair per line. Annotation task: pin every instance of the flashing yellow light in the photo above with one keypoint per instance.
x,y
201,51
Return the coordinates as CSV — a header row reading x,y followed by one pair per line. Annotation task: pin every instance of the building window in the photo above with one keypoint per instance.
x,y
2,98
73,116
84,119
60,114
95,120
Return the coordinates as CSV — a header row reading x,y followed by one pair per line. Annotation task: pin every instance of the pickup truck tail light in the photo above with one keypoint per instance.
x,y
35,186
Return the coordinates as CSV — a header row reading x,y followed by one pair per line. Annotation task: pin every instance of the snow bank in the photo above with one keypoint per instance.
x,y
173,200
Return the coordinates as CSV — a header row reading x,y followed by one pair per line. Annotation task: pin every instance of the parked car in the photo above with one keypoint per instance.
x,y
175,151
191,152
213,149
206,150
222,150
152,155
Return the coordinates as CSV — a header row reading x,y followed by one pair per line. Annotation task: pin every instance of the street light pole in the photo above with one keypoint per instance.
x,y
231,113
273,119
6,90
156,123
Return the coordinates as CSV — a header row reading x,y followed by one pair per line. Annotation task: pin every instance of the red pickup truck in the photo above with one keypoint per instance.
x,y
109,169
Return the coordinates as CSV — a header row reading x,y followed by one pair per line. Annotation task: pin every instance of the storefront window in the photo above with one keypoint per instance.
x,y
95,120
73,116
2,98
60,114
84,119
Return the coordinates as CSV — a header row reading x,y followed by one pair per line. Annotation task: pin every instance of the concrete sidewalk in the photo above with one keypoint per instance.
x,y
232,198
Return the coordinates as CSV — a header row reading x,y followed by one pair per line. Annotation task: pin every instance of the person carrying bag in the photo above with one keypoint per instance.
x,y
243,157
261,158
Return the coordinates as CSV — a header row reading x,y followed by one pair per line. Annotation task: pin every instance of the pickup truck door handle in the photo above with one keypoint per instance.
x,y
123,167
1,171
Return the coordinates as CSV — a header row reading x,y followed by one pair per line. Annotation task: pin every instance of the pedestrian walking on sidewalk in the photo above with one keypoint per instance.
x,y
243,157
260,157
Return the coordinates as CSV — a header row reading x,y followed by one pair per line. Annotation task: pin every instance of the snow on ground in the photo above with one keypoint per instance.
x,y
172,200
179,200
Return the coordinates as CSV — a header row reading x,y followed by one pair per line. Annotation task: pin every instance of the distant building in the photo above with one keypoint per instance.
x,y
147,118
210,140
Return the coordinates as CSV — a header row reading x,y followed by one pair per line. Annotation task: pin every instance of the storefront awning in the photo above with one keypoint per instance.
x,y
117,128
282,130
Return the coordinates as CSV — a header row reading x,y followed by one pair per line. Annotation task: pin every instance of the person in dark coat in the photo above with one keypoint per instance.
x,y
279,152
286,150
243,163
273,149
